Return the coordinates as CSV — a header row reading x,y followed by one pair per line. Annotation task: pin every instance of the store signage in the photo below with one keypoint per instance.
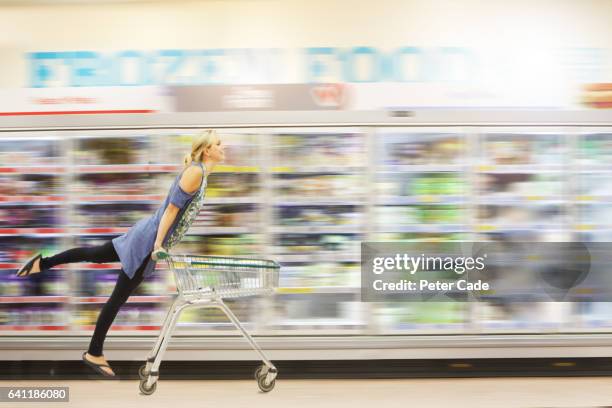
x,y
399,78
214,98
250,66
97,100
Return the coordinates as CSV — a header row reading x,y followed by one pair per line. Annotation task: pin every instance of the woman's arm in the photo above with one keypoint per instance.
x,y
164,225
190,182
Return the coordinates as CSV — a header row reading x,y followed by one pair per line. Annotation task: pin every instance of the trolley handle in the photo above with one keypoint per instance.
x,y
160,254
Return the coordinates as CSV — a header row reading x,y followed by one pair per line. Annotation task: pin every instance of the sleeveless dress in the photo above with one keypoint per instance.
x,y
134,246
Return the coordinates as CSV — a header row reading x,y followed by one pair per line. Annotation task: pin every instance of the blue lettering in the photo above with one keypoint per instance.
x,y
131,69
84,68
401,72
218,66
43,67
208,66
316,69
351,64
170,70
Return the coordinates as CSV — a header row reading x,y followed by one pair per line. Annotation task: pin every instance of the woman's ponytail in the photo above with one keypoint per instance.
x,y
187,159
199,144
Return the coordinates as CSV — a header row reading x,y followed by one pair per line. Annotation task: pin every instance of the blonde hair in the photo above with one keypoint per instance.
x,y
200,143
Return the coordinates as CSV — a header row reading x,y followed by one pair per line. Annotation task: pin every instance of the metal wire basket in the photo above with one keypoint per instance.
x,y
226,277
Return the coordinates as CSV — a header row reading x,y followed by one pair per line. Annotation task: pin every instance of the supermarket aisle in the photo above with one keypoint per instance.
x,y
472,393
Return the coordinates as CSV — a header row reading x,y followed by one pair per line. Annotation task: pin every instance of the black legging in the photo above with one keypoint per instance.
x,y
123,288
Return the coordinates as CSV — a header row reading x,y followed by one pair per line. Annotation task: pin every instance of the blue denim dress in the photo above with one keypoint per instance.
x,y
137,243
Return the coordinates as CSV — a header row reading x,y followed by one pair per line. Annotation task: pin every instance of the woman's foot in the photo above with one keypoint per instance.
x,y
31,266
100,362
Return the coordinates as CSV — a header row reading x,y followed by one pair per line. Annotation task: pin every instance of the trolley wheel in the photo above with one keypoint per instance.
x,y
142,373
258,371
145,390
261,382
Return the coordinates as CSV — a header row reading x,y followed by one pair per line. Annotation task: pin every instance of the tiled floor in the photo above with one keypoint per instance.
x,y
410,393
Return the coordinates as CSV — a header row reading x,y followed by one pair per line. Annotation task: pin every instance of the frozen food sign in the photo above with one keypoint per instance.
x,y
250,66
398,77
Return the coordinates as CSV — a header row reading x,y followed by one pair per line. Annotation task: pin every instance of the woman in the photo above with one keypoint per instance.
x,y
139,247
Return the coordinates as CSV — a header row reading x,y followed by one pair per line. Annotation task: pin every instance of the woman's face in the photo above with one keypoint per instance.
x,y
216,151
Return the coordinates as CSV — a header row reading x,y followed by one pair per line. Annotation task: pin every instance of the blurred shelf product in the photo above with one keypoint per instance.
x,y
541,149
334,186
318,152
410,316
321,276
132,299
30,152
595,149
33,315
34,299
106,150
131,316
88,169
421,149
419,214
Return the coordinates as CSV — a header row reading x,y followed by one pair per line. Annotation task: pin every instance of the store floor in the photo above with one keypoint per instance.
x,y
465,392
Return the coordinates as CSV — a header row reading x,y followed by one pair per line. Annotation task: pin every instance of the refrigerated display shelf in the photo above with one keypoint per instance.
x,y
153,199
131,299
47,170
43,232
425,326
317,290
421,199
21,328
317,229
593,168
32,200
518,325
34,299
424,228
518,168
202,230
318,169
318,202
99,231
592,227
196,230
122,327
586,199
125,168
421,168
223,168
233,200
461,167
525,227
210,325
318,257
96,266
9,266
319,323
111,199
519,200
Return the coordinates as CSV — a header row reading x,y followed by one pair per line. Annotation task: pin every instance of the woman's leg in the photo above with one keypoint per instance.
x,y
123,289
97,254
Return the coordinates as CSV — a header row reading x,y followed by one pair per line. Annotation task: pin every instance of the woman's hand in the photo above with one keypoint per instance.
x,y
159,252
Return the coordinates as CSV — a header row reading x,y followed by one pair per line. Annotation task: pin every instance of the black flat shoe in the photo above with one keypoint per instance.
x,y
27,267
97,367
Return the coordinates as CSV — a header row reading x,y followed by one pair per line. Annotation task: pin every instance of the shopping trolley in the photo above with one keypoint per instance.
x,y
204,281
